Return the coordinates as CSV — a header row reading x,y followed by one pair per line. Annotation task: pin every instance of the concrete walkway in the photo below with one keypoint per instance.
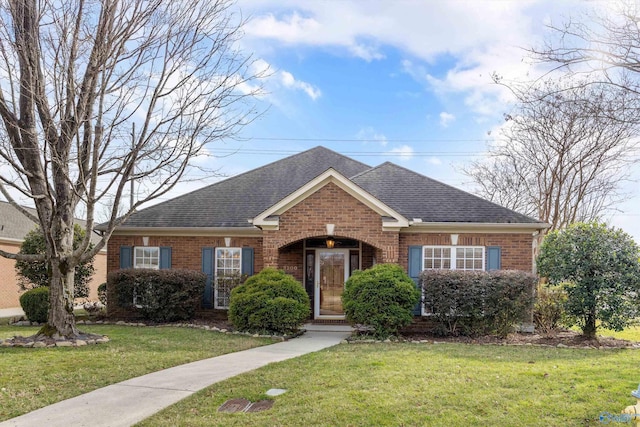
x,y
131,401
11,312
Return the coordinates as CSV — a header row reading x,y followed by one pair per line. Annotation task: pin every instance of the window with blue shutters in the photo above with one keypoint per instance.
x,y
453,258
146,257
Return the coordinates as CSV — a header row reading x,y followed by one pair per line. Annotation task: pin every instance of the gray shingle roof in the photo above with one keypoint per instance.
x,y
431,200
230,203
14,225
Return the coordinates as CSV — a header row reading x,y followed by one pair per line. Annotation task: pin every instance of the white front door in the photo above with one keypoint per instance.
x,y
332,271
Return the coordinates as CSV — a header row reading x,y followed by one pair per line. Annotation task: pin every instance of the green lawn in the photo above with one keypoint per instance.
x,y
425,384
33,378
632,333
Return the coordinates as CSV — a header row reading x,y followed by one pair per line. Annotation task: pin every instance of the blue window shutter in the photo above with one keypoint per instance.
x,y
415,268
165,257
493,258
247,261
207,268
126,257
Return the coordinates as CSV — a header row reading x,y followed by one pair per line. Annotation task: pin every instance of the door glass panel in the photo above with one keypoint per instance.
x,y
332,272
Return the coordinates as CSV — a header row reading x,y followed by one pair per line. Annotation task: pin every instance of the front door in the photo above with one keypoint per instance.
x,y
332,271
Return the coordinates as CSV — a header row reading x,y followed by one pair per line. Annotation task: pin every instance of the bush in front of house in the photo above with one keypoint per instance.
x,y
270,302
159,295
381,298
548,310
102,293
35,304
454,301
477,302
509,299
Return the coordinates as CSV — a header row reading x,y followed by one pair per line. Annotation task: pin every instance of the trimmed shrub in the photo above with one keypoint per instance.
x,y
548,311
35,304
454,300
509,299
477,302
271,302
102,293
382,298
159,295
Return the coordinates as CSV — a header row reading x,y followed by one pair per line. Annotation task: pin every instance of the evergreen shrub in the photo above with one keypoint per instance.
x,y
270,302
35,304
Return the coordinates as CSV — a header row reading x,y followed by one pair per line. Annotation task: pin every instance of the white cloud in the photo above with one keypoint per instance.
x,y
287,79
369,134
435,161
404,152
446,119
475,38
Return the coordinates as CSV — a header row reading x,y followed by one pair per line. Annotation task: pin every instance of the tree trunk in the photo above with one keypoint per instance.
x,y
589,330
61,320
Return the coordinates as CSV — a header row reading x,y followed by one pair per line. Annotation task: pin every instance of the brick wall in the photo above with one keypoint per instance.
x,y
291,260
516,252
186,252
9,291
330,205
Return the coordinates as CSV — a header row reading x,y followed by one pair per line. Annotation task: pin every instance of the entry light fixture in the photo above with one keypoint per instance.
x,y
330,242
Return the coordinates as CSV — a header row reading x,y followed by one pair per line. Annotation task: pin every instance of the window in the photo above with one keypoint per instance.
x,y
146,257
227,274
453,257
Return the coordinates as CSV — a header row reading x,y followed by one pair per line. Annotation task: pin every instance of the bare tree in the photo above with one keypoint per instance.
x,y
75,76
605,44
563,152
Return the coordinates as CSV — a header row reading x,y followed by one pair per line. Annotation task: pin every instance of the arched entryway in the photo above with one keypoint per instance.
x,y
323,265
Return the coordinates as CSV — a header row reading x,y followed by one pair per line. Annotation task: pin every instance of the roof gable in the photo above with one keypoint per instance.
x,y
232,202
391,218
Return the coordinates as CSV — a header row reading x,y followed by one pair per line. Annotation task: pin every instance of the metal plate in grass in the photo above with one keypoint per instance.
x,y
262,405
235,405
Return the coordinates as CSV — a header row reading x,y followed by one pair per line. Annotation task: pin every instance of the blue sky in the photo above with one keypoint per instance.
x,y
405,81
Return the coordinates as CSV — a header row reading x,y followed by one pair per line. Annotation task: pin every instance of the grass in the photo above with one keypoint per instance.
x,y
425,384
33,378
631,333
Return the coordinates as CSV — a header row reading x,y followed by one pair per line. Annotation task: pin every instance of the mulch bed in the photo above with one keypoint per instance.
x,y
560,339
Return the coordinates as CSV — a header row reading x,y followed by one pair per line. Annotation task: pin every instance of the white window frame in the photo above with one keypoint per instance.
x,y
453,260
151,258
142,264
218,299
453,257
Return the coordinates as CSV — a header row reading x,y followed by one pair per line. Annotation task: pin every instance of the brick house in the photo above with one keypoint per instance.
x,y
14,226
318,216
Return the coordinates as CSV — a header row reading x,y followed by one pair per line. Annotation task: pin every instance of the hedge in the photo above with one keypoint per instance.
x,y
477,302
160,295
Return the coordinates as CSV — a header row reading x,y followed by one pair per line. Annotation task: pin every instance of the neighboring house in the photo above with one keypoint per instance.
x,y
318,216
14,226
